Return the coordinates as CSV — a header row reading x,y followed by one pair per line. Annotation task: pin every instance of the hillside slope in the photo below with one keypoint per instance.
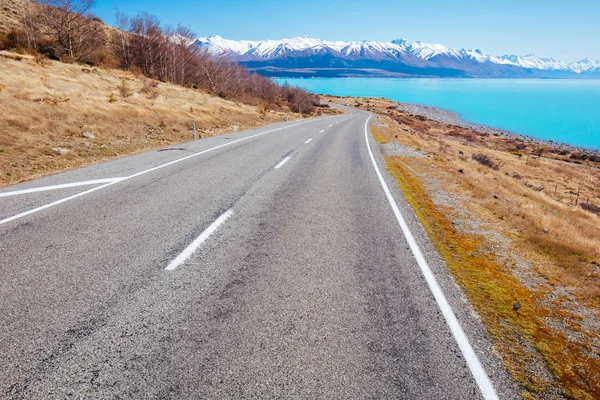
x,y
11,12
55,116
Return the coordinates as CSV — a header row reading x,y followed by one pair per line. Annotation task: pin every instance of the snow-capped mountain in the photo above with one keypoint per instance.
x,y
308,56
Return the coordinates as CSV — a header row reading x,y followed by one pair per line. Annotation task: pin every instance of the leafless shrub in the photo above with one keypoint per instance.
x,y
53,99
42,60
124,89
533,187
485,160
591,208
150,89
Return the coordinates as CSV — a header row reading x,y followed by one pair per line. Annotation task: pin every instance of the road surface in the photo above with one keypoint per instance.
x,y
261,264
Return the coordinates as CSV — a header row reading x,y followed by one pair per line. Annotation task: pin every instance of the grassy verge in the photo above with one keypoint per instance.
x,y
494,291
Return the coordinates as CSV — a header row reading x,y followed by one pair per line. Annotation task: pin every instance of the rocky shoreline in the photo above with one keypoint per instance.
x,y
449,117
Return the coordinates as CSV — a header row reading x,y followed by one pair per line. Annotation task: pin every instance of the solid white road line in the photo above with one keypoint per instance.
x,y
185,254
23,214
54,203
63,186
308,141
481,377
282,162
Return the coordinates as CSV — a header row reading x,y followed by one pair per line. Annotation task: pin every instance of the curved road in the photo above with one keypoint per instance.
x,y
262,264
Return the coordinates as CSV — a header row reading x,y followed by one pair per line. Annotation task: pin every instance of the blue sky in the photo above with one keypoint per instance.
x,y
566,30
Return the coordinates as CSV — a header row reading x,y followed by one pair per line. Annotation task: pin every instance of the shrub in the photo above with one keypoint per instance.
x,y
54,100
591,208
483,159
15,57
41,60
124,90
112,98
579,156
150,89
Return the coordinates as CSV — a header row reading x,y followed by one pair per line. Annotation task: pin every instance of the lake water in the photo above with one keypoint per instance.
x,y
565,111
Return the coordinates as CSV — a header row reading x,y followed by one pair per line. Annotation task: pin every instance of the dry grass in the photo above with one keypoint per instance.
x,y
11,13
516,233
48,105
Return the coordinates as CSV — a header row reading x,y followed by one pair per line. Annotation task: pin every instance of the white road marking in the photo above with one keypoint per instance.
x,y
282,162
63,186
330,126
185,254
321,131
35,210
481,377
308,141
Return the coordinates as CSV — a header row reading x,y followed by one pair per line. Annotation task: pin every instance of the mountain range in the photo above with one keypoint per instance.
x,y
308,57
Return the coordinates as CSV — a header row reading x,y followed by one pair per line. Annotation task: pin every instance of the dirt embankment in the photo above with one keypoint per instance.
x,y
517,223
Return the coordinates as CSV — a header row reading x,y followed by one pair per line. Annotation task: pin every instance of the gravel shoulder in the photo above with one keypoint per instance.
x,y
449,117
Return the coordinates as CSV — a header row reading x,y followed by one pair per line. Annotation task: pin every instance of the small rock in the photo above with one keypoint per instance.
x,y
545,230
460,171
88,135
61,151
496,197
516,306
461,153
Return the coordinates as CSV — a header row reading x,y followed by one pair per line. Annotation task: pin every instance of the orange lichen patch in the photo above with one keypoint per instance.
x,y
522,335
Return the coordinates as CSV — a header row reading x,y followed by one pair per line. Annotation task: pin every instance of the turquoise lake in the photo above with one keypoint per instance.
x,y
565,111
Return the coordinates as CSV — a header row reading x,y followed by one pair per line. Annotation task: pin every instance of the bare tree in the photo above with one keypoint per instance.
x,y
121,44
31,23
171,55
73,29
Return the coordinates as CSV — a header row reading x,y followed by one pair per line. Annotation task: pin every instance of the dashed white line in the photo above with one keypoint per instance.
x,y
481,377
63,186
185,254
321,131
282,162
308,141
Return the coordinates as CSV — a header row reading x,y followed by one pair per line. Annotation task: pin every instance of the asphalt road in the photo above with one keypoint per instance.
x,y
262,264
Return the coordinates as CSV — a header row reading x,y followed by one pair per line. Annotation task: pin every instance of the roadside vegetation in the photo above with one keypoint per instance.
x,y
75,91
517,223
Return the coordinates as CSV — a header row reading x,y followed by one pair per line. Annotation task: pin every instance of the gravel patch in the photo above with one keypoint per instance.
x,y
388,149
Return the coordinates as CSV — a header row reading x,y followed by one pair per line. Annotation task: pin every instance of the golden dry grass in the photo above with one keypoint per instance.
x,y
48,107
508,235
11,12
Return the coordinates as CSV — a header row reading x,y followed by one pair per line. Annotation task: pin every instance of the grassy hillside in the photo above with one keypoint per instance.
x,y
11,12
46,108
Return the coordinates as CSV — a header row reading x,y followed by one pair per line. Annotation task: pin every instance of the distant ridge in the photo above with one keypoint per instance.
x,y
304,56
